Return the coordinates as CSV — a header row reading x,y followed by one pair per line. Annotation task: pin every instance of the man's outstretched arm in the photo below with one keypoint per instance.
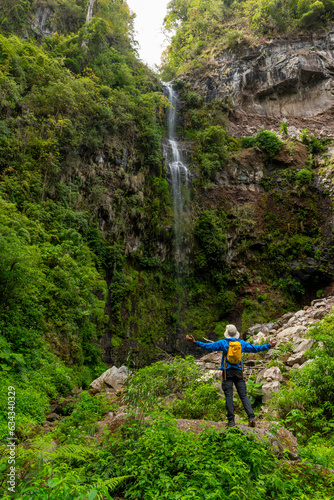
x,y
208,346
248,347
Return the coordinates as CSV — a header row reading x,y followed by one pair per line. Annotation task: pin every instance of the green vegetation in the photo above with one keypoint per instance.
x,y
76,109
267,141
148,456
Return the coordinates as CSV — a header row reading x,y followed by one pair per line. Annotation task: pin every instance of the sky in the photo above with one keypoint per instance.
x,y
148,28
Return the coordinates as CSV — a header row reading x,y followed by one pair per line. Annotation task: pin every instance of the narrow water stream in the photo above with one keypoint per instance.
x,y
179,173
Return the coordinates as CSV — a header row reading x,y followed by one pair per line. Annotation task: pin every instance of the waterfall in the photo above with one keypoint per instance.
x,y
179,173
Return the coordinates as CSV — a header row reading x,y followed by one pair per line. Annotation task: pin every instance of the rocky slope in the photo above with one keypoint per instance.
x,y
291,334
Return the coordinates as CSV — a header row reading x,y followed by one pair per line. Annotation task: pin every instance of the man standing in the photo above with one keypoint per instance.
x,y
233,373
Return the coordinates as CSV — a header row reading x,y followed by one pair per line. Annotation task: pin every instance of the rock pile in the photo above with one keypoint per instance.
x,y
291,334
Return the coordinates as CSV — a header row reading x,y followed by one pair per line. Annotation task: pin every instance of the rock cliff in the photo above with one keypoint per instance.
x,y
279,80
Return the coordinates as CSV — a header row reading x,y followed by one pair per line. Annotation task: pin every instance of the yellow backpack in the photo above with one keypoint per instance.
x,y
233,355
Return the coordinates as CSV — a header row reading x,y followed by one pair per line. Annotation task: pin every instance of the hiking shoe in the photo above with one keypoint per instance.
x,y
231,424
251,423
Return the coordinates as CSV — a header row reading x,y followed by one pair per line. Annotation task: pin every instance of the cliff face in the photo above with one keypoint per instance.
x,y
280,80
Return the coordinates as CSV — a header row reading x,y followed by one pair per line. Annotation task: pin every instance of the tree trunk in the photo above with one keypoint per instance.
x,y
90,11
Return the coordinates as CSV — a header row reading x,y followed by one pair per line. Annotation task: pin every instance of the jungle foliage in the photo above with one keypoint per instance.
x,y
67,101
150,457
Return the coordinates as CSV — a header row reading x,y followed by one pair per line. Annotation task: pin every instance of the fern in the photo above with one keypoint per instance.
x,y
109,484
73,452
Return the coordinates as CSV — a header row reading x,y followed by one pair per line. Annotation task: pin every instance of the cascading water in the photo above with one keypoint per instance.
x,y
179,173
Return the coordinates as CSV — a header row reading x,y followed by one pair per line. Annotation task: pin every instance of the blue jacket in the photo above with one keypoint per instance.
x,y
222,345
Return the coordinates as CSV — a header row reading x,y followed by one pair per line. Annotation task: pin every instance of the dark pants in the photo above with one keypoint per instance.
x,y
234,376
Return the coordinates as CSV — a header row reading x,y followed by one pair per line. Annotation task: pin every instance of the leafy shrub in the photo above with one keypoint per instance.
x,y
210,239
212,147
267,141
149,385
82,421
304,176
199,402
314,145
213,465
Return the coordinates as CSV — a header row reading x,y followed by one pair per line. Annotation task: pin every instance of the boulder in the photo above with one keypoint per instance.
x,y
307,362
320,314
299,314
282,321
253,329
253,355
260,375
297,358
269,388
52,417
117,377
304,345
288,332
97,384
273,373
212,357
210,366
113,377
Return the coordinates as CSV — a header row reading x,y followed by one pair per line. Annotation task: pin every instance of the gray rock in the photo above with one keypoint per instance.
x,y
297,358
117,378
304,345
269,388
308,362
320,314
288,332
260,375
97,384
210,366
273,373
113,377
254,328
318,302
259,337
299,314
